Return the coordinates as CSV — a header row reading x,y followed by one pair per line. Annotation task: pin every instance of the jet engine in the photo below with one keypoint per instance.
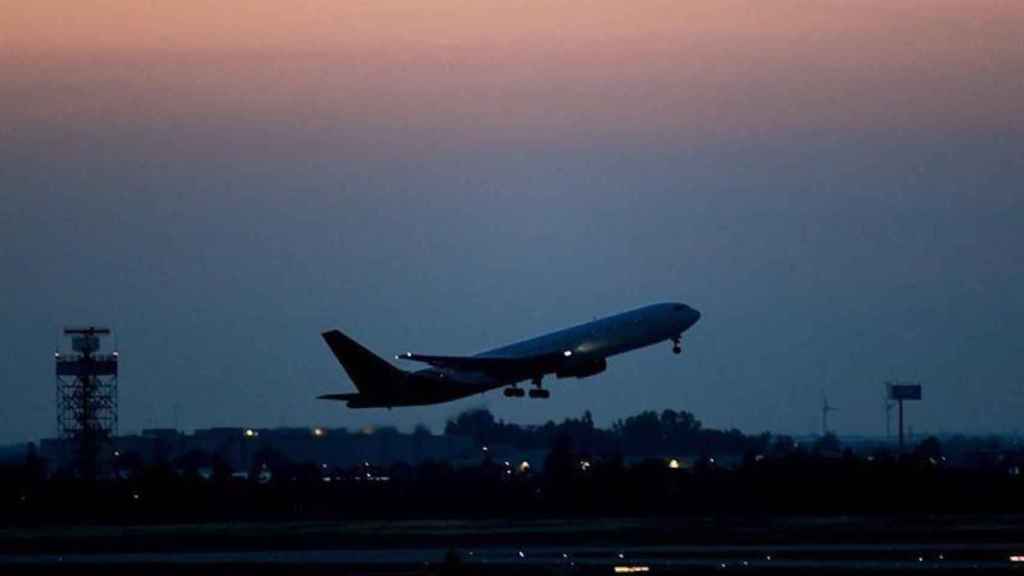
x,y
582,368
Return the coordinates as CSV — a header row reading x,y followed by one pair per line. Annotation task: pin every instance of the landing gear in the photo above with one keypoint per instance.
x,y
676,348
539,392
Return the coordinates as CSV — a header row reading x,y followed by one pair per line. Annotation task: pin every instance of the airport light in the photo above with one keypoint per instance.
x,y
318,432
673,464
524,467
250,433
584,465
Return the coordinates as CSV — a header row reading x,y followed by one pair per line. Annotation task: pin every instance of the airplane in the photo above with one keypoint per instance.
x,y
576,352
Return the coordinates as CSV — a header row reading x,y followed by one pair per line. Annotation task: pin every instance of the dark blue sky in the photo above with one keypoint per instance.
x,y
875,237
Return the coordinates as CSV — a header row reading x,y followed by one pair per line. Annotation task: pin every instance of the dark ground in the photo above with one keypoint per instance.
x,y
804,544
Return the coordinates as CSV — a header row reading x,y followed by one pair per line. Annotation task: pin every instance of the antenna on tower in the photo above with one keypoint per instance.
x,y
825,409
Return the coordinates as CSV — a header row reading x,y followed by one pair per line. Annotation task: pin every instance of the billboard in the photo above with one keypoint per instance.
x,y
904,391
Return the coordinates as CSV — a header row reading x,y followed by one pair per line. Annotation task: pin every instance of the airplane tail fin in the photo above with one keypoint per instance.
x,y
372,375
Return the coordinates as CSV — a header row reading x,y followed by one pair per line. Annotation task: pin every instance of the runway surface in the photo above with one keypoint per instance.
x,y
583,559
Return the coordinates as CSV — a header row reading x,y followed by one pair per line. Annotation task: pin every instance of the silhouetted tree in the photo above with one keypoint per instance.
x,y
929,448
478,424
828,443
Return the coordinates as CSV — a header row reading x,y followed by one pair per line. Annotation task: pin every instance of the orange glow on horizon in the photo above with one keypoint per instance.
x,y
535,69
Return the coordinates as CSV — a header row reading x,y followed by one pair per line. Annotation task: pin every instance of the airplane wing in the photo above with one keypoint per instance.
x,y
343,397
496,365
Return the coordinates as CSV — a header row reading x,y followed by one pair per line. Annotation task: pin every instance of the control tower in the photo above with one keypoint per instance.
x,y
86,397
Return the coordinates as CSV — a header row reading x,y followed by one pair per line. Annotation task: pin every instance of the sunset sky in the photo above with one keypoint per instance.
x,y
836,185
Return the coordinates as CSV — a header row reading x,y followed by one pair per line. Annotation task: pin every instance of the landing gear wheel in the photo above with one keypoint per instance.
x,y
676,349
538,392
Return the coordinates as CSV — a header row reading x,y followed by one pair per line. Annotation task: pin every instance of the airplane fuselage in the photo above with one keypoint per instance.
x,y
578,351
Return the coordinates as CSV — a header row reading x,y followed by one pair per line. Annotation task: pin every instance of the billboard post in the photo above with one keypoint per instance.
x,y
900,392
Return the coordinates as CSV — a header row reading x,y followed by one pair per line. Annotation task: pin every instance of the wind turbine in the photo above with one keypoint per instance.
x,y
825,409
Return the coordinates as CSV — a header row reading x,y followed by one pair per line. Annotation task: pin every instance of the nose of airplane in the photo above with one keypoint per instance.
x,y
688,315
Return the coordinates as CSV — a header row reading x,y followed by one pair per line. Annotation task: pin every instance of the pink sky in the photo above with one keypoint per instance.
x,y
522,70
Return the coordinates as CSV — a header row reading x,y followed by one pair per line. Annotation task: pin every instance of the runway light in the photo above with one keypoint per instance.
x,y
567,353
318,432
250,433
584,465
631,569
674,464
524,466
1017,558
